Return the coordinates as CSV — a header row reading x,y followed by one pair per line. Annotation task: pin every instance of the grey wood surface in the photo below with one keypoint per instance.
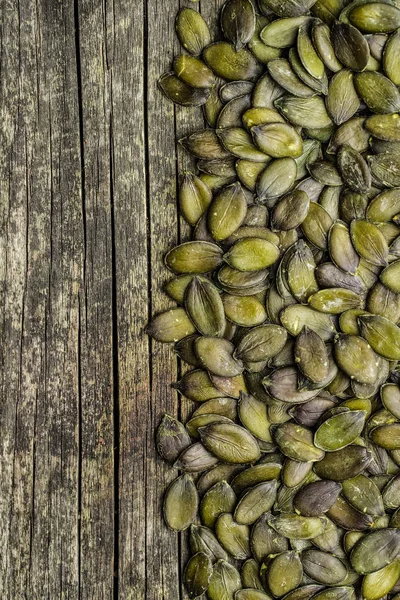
x,y
88,177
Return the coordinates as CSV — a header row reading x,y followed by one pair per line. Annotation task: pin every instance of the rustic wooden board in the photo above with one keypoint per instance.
x,y
88,179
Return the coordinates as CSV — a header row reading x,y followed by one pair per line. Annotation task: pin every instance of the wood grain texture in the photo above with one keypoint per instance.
x,y
88,207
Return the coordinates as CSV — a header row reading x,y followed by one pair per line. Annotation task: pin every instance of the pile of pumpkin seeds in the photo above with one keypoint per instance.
x,y
288,302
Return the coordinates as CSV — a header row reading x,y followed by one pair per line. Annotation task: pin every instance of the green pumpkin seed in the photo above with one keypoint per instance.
x,y
290,211
192,30
356,358
225,582
378,92
202,539
301,272
364,495
262,343
197,574
296,442
239,143
390,277
276,179
282,384
391,493
390,396
277,140
316,225
384,127
226,407
350,46
282,33
194,198
171,438
227,211
382,335
295,317
251,579
336,593
256,502
231,114
342,101
341,249
204,307
375,550
375,17
347,517
170,326
220,472
229,64
254,475
298,527
283,573
266,91
387,436
323,567
251,594
265,540
343,464
303,110
261,51
352,133
193,71
307,54
377,585
246,311
311,355
230,443
391,58
340,430
316,498
204,144
195,459
238,22
234,89
294,472
220,498
321,37
252,254
181,503
216,355
369,242
180,92
334,300
385,168
233,536
354,170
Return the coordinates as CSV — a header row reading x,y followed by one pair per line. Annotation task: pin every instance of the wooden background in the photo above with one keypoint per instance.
x,y
88,176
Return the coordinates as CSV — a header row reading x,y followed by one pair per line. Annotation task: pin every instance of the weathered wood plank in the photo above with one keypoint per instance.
x,y
94,43
162,545
40,279
132,295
